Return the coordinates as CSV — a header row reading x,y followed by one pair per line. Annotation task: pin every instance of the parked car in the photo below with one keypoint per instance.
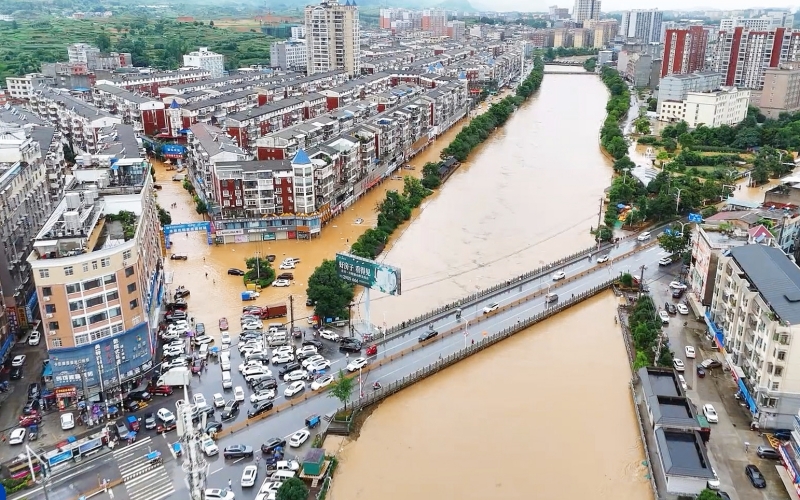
x,y
209,447
237,451
298,438
678,364
285,276
670,308
755,476
149,420
708,364
665,261
230,411
710,413
67,421
272,444
678,293
160,390
35,338
682,309
218,494
213,427
294,388
664,317
258,409
249,475
768,452
689,350
18,360
328,334
235,272
281,283
223,325
16,373
17,436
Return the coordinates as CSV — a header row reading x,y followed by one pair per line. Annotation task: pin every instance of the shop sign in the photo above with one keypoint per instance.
x,y
66,392
229,232
23,318
13,321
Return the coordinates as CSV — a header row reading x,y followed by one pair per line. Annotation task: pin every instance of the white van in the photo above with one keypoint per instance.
x,y
277,339
643,236
282,475
225,361
227,383
203,352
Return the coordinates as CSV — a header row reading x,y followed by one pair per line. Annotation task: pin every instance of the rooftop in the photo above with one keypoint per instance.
x,y
660,382
122,93
255,165
775,276
683,453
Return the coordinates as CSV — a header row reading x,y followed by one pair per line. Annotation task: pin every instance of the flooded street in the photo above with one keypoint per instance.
x,y
546,414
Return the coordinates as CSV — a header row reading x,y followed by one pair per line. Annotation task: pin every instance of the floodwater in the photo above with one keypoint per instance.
x,y
529,195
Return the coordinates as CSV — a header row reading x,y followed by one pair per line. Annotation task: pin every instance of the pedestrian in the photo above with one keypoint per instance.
x,y
206,275
214,281
230,484
473,341
199,378
746,446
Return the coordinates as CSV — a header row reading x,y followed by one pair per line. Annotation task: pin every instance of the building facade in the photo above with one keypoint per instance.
x,y
585,10
675,88
205,59
770,21
289,55
714,108
435,21
781,91
743,54
22,87
644,26
99,275
333,38
684,50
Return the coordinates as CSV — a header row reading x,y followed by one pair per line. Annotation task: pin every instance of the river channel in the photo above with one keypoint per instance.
x,y
547,414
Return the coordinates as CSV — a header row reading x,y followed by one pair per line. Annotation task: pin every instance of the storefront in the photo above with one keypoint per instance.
x,y
66,397
271,229
716,332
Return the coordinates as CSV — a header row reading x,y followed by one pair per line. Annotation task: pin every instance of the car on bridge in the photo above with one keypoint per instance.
x,y
602,258
491,307
357,364
560,275
428,335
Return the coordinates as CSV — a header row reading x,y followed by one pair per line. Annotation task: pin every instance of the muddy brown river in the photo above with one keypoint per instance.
x,y
545,415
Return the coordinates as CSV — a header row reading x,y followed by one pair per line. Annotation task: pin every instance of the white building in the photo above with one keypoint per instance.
x,y
289,55
643,26
78,52
207,60
726,106
756,312
769,21
298,32
22,87
585,10
333,38
674,88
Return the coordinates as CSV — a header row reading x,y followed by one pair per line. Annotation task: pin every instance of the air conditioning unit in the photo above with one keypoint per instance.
x,y
47,299
49,316
53,332
124,262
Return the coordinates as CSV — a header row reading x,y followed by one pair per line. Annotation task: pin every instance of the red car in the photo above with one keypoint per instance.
x,y
160,390
197,365
162,427
223,324
29,420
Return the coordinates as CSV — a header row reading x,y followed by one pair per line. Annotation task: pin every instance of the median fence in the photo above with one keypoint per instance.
x,y
368,399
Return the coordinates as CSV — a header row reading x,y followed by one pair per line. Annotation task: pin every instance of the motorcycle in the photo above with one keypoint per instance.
x,y
376,386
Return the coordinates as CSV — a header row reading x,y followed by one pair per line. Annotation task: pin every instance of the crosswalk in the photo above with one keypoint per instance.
x,y
142,480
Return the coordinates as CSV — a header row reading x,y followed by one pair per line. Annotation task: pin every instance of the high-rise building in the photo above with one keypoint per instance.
x,y
781,92
435,21
603,31
205,59
684,50
456,30
743,55
643,26
333,38
769,21
586,9
288,55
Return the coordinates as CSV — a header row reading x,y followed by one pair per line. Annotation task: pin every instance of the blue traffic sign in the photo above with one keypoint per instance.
x,y
697,218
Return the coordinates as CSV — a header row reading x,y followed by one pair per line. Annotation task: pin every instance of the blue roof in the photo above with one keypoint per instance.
x,y
301,158
174,104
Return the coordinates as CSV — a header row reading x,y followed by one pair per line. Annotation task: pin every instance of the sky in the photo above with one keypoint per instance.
x,y
609,5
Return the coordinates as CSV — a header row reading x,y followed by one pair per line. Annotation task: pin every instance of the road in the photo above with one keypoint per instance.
x,y
288,421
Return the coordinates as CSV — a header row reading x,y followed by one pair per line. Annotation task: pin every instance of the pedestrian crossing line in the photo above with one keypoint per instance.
x,y
156,484
143,479
121,453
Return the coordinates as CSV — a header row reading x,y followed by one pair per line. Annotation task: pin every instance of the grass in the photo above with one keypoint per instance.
x,y
46,40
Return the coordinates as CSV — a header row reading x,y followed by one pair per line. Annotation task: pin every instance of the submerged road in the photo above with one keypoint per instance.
x,y
581,275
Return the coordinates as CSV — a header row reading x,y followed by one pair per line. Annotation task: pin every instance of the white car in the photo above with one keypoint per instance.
x,y
252,325
664,317
281,283
682,381
321,382
262,395
357,364
710,413
209,447
199,400
282,349
170,335
219,494
677,285
329,335
643,236
298,438
249,364
67,421
313,359
318,366
249,475
682,309
288,465
269,486
678,364
259,369
202,339
253,345
294,388
238,393
286,265
172,352
602,258
282,358
665,261
18,360
306,350
560,275
165,415
689,350
35,338
176,363
491,307
295,376
256,355
225,338
17,436
219,400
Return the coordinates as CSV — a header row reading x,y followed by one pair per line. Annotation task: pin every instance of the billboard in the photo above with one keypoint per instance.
x,y
368,273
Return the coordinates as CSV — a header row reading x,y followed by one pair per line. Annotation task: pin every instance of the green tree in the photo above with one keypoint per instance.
x,y
641,360
342,388
642,125
617,147
331,294
673,242
293,488
259,270
707,494
652,104
211,23
201,207
103,41
164,217
626,279
670,145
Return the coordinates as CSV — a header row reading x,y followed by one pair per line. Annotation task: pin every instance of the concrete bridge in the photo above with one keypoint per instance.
x,y
564,63
577,71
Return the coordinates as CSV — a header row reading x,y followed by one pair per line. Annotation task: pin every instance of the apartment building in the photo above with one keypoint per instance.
x,y
333,38
766,22
207,145
743,54
247,126
673,89
435,21
713,108
603,31
146,115
289,55
643,26
148,82
22,87
215,109
586,9
205,59
753,314
684,50
98,272
456,30
781,91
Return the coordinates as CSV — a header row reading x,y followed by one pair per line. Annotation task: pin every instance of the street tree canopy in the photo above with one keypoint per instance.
x,y
292,489
673,241
342,388
331,294
707,494
260,271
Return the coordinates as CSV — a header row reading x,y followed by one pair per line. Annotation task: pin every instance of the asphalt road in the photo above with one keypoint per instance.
x,y
288,421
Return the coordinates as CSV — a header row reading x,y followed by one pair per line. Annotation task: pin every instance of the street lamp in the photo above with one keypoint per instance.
x,y
45,469
678,199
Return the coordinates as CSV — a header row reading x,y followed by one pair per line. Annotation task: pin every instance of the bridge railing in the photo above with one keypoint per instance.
x,y
369,399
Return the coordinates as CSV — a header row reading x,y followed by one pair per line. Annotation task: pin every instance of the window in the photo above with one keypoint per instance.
x,y
105,261
94,264
86,267
782,355
114,312
47,291
68,271
775,386
49,308
73,288
89,285
129,271
112,296
278,191
81,339
134,304
132,288
76,305
126,255
56,342
778,371
78,322
53,325
100,334
95,301
110,278
44,273
118,328
97,318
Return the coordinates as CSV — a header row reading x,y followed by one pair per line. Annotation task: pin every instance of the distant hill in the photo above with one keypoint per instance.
x,y
459,5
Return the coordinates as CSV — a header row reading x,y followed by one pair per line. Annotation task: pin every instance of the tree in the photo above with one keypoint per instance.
x,y
331,294
652,104
293,488
669,144
103,42
164,217
259,270
201,207
342,388
673,241
642,125
211,23
707,494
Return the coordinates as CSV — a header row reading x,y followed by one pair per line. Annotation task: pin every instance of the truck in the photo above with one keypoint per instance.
x,y
179,376
273,311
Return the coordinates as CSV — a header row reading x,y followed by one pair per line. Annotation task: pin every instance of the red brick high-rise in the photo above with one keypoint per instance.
x,y
684,50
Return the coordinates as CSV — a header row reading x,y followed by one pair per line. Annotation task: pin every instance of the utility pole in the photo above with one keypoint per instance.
x,y
45,469
350,319
658,346
195,467
291,311
599,220
641,279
